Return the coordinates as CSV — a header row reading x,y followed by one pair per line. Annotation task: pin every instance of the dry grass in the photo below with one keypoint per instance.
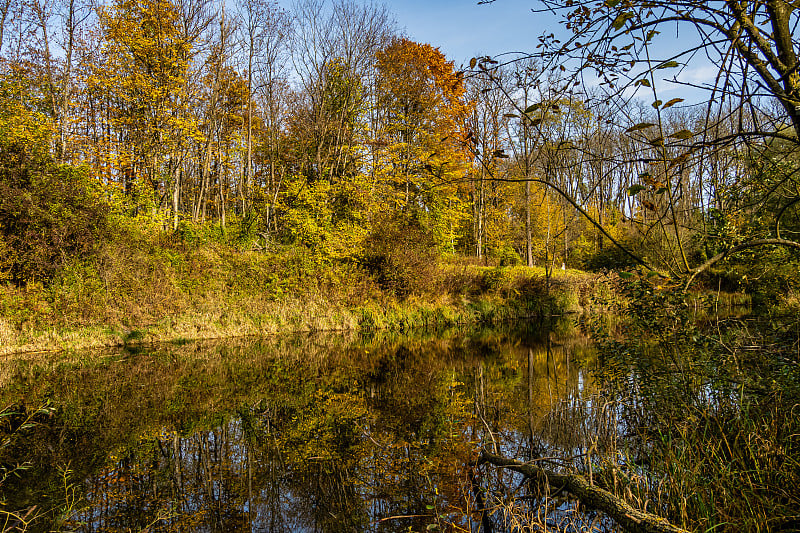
x,y
8,334
149,288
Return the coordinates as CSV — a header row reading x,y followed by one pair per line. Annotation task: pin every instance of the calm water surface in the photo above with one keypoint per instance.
x,y
303,433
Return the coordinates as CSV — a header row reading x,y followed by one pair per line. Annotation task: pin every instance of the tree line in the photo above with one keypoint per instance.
x,y
324,126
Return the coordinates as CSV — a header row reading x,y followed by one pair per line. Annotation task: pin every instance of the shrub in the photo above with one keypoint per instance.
x,y
401,257
612,257
506,255
49,213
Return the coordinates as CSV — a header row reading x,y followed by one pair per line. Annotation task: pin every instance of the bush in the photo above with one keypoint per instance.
x,y
48,215
506,255
611,257
401,257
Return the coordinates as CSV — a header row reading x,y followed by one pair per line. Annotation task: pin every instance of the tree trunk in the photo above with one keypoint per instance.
x,y
528,229
66,82
176,195
248,165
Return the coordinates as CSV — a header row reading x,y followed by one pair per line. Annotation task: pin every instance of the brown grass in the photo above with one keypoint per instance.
x,y
144,288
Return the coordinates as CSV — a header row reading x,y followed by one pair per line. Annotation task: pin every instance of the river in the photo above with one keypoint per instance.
x,y
311,432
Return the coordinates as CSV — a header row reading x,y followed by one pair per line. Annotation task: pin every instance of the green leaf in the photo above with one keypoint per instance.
x,y
644,82
668,64
625,275
640,126
662,190
656,104
532,108
621,19
633,190
612,3
430,507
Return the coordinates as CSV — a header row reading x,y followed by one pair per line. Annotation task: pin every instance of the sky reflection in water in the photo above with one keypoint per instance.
x,y
301,433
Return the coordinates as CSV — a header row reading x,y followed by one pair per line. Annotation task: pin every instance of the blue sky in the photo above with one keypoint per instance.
x,y
463,29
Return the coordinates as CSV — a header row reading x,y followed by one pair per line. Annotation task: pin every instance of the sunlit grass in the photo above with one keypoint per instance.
x,y
145,290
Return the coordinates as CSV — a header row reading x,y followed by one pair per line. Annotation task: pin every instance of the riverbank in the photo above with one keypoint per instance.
x,y
165,291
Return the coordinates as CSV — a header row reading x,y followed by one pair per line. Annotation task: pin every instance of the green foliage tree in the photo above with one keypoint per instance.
x,y
326,203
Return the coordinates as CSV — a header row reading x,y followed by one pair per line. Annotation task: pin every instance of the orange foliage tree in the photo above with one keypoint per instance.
x,y
420,136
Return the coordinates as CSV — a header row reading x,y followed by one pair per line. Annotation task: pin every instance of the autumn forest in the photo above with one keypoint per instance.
x,y
618,207
324,126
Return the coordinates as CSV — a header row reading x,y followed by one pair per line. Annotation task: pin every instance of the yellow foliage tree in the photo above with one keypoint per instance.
x,y
143,73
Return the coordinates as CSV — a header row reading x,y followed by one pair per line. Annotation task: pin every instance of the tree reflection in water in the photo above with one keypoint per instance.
x,y
304,433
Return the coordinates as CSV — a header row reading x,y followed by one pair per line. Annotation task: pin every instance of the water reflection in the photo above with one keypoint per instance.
x,y
304,433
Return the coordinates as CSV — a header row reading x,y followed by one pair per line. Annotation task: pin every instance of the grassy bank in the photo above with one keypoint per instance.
x,y
164,287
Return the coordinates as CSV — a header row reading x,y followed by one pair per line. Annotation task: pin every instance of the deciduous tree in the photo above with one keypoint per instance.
x,y
145,64
753,49
421,98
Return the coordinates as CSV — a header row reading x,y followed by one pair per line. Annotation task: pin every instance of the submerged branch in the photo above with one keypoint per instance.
x,y
631,519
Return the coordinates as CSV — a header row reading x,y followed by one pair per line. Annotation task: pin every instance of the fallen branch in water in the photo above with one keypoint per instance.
x,y
630,518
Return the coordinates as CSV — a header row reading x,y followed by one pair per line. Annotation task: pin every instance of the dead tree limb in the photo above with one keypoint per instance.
x,y
630,518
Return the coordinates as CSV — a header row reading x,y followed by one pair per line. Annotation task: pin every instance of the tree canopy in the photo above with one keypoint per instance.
x,y
319,125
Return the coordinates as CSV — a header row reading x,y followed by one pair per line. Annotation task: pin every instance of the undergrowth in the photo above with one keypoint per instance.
x,y
708,412
145,284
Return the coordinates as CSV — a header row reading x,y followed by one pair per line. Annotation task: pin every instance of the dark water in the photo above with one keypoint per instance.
x,y
302,433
